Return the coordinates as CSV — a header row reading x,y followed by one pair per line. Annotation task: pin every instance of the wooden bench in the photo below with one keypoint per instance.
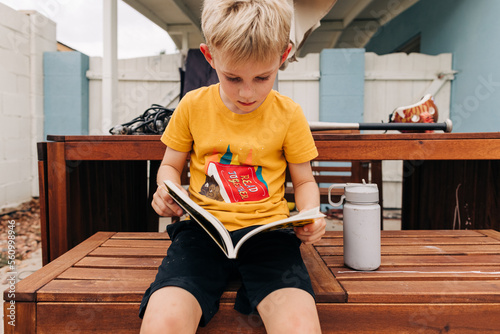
x,y
429,281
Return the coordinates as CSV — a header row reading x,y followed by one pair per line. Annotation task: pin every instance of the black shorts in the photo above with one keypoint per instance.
x,y
266,262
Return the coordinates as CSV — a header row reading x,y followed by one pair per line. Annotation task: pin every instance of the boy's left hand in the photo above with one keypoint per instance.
x,y
311,233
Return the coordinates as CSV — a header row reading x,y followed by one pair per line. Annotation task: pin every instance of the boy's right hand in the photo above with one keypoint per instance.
x,y
164,205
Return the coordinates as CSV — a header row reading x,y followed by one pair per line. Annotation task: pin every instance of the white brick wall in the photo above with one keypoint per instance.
x,y
24,36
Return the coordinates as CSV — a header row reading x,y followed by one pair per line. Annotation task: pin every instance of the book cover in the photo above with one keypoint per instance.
x,y
220,234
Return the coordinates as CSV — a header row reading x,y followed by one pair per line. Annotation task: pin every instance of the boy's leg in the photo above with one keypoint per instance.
x,y
289,310
276,283
189,282
171,310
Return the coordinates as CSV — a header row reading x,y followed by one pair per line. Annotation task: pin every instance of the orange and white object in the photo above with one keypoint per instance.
x,y
424,111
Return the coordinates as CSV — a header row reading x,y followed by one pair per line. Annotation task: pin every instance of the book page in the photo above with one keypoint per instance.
x,y
206,220
300,219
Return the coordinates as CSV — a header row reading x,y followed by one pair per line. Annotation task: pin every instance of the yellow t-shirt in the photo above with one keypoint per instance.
x,y
238,162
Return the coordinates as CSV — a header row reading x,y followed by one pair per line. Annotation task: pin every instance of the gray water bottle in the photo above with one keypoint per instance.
x,y
361,224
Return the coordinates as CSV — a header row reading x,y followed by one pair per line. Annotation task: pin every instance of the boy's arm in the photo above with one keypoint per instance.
x,y
306,195
170,169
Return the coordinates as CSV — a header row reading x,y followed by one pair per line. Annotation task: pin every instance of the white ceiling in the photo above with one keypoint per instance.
x,y
349,24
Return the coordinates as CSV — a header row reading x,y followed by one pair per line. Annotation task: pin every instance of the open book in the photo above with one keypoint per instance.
x,y
217,230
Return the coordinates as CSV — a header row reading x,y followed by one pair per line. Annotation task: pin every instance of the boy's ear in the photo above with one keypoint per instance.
x,y
286,53
206,52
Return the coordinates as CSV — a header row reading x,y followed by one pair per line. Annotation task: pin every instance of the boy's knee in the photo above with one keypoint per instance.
x,y
171,310
166,324
296,323
289,311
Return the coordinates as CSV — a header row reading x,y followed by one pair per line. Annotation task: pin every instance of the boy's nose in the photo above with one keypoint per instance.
x,y
246,91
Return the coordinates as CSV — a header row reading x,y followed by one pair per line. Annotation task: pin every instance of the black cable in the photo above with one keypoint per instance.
x,y
152,121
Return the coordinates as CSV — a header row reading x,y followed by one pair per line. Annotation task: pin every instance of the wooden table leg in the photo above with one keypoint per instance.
x,y
44,200
23,318
57,197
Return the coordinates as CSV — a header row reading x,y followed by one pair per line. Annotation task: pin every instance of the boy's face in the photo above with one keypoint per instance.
x,y
243,88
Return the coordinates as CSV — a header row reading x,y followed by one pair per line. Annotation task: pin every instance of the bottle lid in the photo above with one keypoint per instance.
x,y
361,193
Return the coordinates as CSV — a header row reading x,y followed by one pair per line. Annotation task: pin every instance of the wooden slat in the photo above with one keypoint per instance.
x,y
141,235
93,291
340,147
26,289
491,233
420,234
335,318
137,243
120,262
409,318
397,149
106,150
422,250
388,241
425,260
129,252
325,286
108,138
88,318
417,273
456,240
24,318
431,233
109,274
409,291
332,235
318,135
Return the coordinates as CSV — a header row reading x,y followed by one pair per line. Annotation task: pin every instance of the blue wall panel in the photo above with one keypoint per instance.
x,y
66,93
341,90
342,85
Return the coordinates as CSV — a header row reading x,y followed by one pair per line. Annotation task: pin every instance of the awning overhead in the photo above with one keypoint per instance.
x,y
348,24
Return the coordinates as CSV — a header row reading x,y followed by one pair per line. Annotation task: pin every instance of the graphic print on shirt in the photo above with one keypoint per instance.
x,y
232,182
211,189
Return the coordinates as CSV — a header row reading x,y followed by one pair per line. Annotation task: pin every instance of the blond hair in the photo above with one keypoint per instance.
x,y
247,30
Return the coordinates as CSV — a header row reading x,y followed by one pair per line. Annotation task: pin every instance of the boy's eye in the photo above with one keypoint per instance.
x,y
238,79
233,79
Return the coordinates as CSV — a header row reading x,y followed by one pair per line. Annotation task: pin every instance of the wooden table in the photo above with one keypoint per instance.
x,y
429,282
115,195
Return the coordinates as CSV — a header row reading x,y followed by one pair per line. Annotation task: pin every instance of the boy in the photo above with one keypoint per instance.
x,y
239,122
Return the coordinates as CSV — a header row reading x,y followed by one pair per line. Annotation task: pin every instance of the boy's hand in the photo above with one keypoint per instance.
x,y
311,233
164,205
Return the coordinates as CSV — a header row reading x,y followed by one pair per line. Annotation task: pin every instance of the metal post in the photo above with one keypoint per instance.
x,y
109,63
